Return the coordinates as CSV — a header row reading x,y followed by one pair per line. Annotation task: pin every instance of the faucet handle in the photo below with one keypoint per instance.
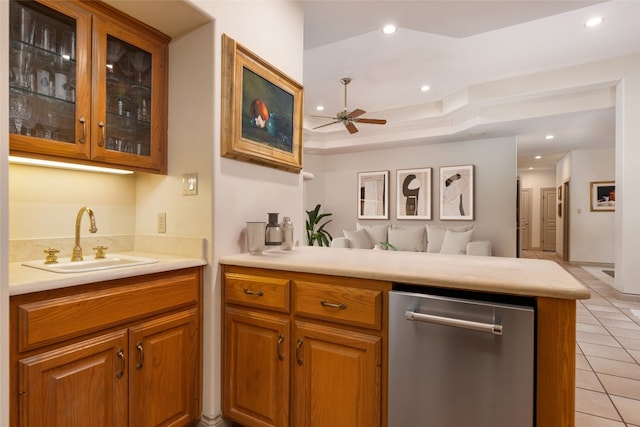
x,y
51,258
100,251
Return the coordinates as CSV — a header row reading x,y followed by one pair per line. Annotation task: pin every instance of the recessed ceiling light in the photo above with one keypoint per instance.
x,y
549,137
530,168
538,157
389,29
425,88
594,22
320,108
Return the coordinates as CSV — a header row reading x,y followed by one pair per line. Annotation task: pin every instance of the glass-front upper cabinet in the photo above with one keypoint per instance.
x,y
87,84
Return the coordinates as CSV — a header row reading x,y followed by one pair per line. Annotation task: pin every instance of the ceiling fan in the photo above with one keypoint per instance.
x,y
349,119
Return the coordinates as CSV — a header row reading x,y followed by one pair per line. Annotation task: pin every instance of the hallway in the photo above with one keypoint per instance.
x,y
607,352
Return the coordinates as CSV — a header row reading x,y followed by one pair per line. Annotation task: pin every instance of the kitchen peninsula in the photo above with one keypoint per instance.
x,y
330,305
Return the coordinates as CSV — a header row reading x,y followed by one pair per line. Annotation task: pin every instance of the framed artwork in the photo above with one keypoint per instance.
x,y
373,195
413,193
456,192
603,196
261,111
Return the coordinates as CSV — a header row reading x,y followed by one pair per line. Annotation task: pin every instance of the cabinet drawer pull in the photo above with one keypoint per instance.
x,y
122,363
83,138
278,352
298,346
248,292
324,303
141,357
102,133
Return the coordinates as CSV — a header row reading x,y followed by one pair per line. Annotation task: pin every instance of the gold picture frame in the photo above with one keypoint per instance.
x,y
261,111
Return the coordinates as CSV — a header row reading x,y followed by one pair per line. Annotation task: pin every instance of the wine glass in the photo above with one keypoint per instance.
x,y
20,109
114,52
50,120
141,62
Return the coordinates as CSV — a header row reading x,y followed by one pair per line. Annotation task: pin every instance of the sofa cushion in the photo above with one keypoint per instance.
x,y
435,235
407,239
358,239
455,242
376,233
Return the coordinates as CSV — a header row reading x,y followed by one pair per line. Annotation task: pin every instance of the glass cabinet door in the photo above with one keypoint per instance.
x,y
45,114
130,66
128,101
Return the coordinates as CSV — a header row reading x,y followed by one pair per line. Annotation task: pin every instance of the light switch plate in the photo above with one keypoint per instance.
x,y
162,222
189,184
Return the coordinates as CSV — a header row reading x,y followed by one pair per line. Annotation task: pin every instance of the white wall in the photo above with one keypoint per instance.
x,y
535,180
242,191
335,185
4,220
592,234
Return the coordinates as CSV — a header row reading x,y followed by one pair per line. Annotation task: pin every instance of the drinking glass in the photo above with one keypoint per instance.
x,y
45,37
20,67
114,52
68,45
141,62
50,121
21,28
20,109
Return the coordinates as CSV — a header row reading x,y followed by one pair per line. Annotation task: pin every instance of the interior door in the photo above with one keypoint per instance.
x,y
548,217
525,218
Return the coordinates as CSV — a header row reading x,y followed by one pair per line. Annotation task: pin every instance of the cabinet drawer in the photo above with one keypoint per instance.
x,y
257,291
52,320
342,304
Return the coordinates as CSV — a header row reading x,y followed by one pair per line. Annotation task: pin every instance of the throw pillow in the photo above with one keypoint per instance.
x,y
455,242
358,239
407,239
376,233
435,235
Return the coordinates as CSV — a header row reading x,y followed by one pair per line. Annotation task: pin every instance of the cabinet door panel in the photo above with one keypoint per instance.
x,y
78,385
256,368
337,377
163,371
54,79
128,104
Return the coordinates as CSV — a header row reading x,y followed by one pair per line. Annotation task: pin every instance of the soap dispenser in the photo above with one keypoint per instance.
x,y
273,232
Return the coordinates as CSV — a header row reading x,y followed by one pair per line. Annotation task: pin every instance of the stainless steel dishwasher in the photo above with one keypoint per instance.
x,y
460,359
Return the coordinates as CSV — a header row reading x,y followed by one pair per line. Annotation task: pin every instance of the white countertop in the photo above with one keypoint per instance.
x,y
24,280
514,276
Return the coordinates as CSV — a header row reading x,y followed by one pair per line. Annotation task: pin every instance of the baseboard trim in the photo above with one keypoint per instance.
x,y
215,421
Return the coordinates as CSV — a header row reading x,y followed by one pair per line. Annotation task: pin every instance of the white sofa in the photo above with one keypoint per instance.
x,y
429,238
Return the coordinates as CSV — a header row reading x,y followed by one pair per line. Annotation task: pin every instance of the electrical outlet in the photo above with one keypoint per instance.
x,y
162,222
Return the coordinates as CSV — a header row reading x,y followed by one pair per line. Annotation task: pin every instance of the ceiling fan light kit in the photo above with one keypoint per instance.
x,y
348,119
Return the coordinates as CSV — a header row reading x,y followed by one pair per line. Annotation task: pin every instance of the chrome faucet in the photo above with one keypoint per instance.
x,y
77,250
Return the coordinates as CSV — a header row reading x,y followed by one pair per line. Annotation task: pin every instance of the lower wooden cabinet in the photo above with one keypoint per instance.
x,y
302,350
336,378
139,368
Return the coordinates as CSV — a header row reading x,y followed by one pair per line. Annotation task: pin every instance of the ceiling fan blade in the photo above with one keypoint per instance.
x,y
326,117
355,113
372,121
327,124
351,127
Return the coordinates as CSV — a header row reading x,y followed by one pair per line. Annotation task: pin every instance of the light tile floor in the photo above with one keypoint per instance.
x,y
607,353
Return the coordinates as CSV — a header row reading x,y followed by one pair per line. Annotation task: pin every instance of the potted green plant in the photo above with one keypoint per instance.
x,y
315,231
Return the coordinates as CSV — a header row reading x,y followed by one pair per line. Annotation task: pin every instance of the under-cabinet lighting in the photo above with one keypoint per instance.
x,y
68,166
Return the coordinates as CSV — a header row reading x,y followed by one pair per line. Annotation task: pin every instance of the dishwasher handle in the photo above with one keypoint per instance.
x,y
459,323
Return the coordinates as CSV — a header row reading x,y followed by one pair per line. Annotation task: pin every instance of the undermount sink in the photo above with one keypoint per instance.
x,y
65,265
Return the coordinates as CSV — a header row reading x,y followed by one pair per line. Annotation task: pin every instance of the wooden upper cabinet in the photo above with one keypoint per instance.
x,y
97,92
